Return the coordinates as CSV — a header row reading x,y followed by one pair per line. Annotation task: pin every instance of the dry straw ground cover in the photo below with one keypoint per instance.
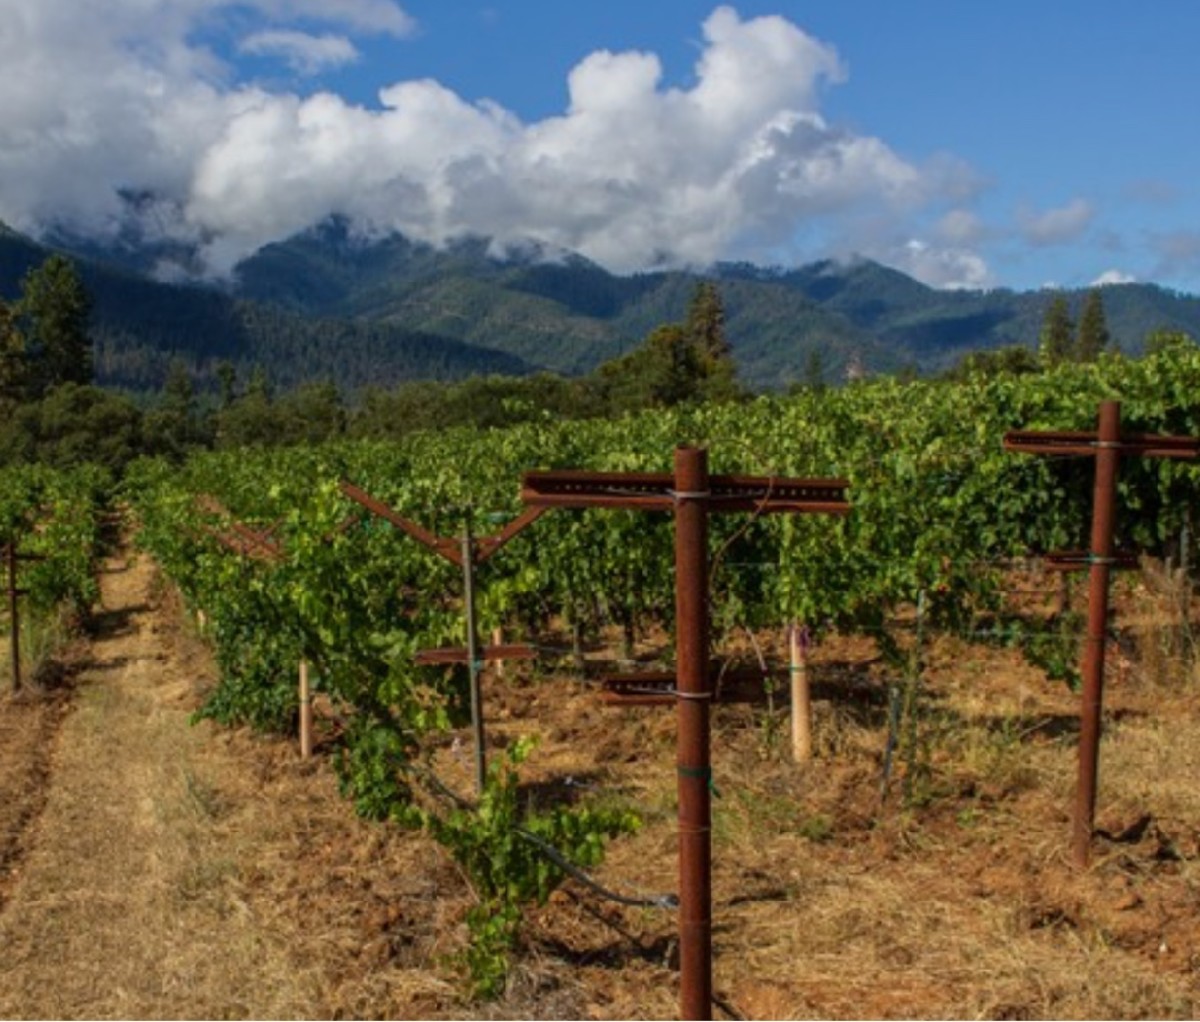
x,y
151,868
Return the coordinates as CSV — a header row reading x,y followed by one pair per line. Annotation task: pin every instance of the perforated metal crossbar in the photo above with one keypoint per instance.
x,y
461,655
1077,560
655,491
658,688
1066,442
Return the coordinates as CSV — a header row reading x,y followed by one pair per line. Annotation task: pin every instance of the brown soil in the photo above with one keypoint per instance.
x,y
150,867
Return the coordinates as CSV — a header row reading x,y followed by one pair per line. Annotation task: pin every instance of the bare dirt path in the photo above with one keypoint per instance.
x,y
151,868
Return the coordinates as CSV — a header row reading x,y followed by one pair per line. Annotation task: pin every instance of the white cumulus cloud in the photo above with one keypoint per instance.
x,y
101,104
949,267
384,17
303,52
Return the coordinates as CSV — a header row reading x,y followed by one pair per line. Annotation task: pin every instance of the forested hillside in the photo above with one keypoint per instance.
x,y
330,305
141,325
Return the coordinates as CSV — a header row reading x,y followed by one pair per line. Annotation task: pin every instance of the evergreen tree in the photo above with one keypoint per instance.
x,y
311,413
1093,329
53,312
260,385
13,365
174,427
705,323
72,425
677,363
227,375
815,368
250,420
1057,338
675,366
712,356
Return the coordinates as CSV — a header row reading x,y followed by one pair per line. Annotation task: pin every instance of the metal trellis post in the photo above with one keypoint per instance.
x,y
1106,445
468,553
691,493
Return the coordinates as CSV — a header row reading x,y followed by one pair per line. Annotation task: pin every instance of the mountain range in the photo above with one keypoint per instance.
x,y
329,304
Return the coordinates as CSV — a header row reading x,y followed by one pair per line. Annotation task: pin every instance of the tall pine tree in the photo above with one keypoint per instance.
x,y
678,363
13,365
53,313
1057,340
1093,329
705,330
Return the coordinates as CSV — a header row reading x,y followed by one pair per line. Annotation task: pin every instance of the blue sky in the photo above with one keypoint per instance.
x,y
970,144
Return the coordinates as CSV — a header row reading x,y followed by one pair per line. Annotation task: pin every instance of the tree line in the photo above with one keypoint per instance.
x,y
1060,340
51,411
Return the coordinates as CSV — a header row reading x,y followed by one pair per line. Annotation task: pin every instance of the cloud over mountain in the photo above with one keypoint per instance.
x,y
1056,226
134,99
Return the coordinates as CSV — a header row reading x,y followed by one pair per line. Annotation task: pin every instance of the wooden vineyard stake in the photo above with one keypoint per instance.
x,y
691,494
473,661
1106,445
468,553
497,641
13,558
306,713
259,544
262,545
14,620
801,694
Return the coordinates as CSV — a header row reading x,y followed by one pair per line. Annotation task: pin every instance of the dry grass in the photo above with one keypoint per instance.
x,y
176,871
180,871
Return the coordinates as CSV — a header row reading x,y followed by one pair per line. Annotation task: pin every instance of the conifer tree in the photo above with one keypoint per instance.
x,y
227,375
706,322
13,364
677,363
53,313
815,368
1057,339
713,357
1093,329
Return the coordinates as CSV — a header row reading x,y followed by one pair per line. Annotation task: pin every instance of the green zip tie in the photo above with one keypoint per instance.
x,y
703,773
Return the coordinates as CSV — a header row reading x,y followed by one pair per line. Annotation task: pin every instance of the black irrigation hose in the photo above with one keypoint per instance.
x,y
568,867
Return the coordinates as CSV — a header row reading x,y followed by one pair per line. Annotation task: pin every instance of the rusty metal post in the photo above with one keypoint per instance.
x,y
13,620
1104,502
1106,446
468,568
691,494
693,764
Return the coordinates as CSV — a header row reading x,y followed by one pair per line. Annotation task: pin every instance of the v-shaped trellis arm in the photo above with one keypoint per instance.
x,y
447,548
486,546
483,547
467,552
